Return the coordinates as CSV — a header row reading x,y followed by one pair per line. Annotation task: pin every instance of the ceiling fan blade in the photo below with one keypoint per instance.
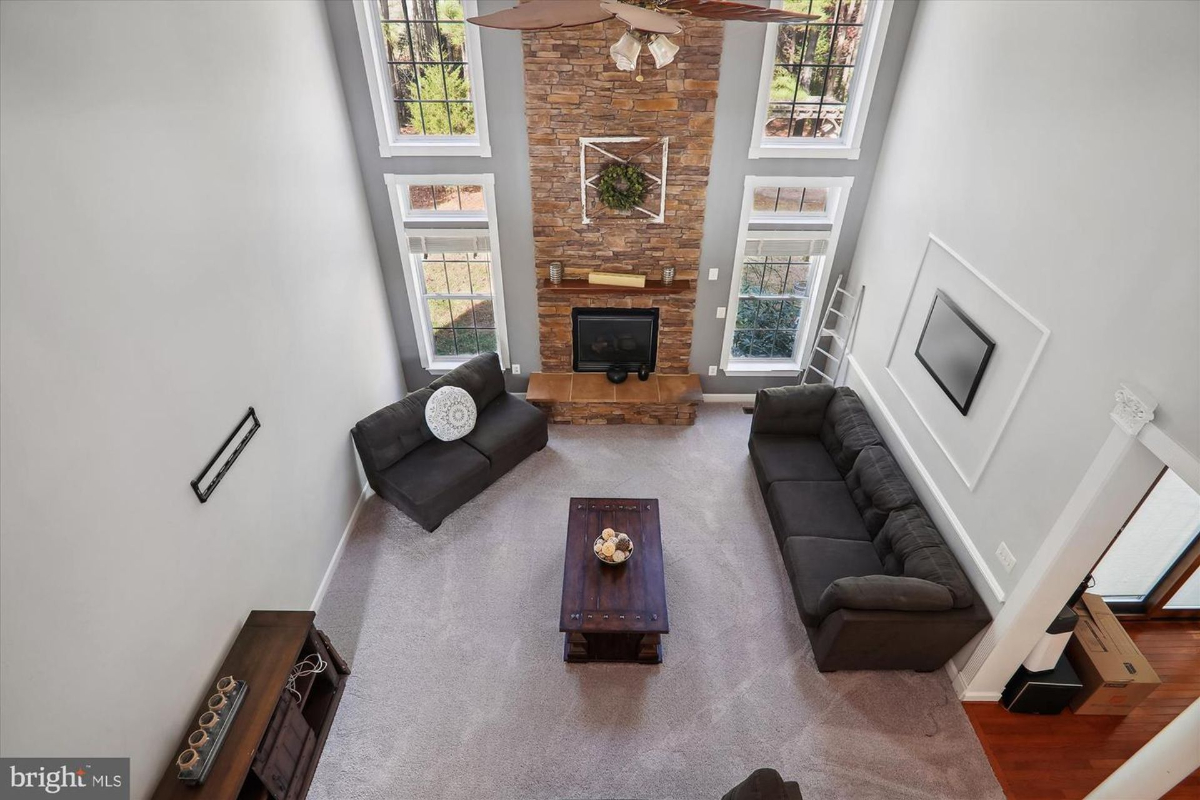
x,y
642,19
541,15
726,9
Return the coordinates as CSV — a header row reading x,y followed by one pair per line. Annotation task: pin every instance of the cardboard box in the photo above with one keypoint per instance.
x,y
1115,674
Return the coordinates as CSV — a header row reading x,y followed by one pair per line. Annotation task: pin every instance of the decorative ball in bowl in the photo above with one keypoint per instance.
x,y
613,547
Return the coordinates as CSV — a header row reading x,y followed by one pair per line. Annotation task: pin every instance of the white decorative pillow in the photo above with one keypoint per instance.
x,y
450,413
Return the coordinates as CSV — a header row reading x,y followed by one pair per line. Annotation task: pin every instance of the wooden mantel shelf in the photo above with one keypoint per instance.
x,y
594,387
577,286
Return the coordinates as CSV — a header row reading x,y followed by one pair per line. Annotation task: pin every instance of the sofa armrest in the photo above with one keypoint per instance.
x,y
921,640
884,593
795,410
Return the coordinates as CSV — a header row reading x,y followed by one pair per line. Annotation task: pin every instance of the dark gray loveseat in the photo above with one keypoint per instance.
x,y
874,582
427,478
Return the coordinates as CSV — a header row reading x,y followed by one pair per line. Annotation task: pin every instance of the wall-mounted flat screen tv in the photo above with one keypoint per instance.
x,y
954,350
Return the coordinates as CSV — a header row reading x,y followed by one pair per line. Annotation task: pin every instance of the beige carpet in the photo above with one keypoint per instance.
x,y
460,691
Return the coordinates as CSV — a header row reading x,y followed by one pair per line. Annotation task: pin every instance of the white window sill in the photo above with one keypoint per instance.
x,y
761,369
803,150
436,147
442,367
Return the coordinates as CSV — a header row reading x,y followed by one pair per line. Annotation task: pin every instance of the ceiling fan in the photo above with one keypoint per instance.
x,y
650,21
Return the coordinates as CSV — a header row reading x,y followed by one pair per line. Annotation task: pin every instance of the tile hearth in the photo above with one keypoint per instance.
x,y
584,398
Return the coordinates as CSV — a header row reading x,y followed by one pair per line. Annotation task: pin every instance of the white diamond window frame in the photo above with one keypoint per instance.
x,y
593,143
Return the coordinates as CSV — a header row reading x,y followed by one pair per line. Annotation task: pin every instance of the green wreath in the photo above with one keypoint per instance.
x,y
621,186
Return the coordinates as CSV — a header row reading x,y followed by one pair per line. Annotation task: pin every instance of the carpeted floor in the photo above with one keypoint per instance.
x,y
460,691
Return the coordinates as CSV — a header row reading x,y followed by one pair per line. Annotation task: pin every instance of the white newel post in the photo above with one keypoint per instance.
x,y
1112,486
1162,762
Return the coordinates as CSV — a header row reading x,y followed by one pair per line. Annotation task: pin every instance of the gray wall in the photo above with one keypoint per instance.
x,y
182,234
741,64
1046,219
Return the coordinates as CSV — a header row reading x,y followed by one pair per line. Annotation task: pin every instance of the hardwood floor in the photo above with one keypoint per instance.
x,y
1065,757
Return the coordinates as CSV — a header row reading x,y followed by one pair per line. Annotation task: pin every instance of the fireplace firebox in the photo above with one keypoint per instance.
x,y
614,337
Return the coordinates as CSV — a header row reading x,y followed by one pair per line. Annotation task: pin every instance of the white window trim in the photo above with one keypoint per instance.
x,y
833,203
808,329
391,141
849,144
398,188
418,215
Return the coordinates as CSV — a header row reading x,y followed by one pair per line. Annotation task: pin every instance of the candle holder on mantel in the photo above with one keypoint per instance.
x,y
668,276
556,272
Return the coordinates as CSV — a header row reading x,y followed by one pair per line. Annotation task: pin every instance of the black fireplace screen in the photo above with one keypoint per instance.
x,y
614,337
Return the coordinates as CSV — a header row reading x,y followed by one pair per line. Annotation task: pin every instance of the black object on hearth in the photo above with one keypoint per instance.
x,y
249,425
644,372
616,374
613,337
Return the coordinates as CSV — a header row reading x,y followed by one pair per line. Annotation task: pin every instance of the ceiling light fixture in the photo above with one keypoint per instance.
x,y
663,50
626,51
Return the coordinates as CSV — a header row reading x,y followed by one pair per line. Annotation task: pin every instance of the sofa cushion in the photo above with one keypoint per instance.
x,y
436,477
814,508
390,433
814,563
884,593
909,545
790,458
796,410
482,377
847,429
508,430
878,487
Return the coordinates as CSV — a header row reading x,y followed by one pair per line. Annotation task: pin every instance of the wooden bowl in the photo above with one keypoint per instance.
x,y
600,540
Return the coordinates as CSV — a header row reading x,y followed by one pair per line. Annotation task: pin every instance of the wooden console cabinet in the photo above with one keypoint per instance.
x,y
274,743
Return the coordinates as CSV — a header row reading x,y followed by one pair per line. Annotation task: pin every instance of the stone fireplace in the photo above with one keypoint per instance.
x,y
573,92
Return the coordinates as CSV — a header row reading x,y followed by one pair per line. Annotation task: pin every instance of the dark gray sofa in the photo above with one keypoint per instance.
x,y
427,478
874,582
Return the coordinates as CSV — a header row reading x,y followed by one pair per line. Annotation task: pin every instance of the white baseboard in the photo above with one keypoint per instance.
x,y
927,479
729,398
341,548
960,687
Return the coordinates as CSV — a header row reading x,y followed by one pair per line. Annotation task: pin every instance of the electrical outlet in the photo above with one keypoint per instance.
x,y
712,371
714,273
1006,557
516,368
720,312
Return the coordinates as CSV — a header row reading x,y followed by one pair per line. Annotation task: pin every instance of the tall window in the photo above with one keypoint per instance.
x,y
772,296
788,233
426,77
452,274
817,78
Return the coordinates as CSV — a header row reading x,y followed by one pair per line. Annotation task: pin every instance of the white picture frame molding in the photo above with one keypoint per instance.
x,y
585,181
970,478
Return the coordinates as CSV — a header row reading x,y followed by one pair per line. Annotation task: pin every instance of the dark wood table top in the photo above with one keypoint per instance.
x,y
262,655
613,598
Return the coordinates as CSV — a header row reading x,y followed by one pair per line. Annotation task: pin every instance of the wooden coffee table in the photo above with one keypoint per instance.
x,y
613,612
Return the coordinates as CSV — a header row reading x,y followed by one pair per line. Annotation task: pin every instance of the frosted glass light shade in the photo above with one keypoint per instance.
x,y
626,51
663,50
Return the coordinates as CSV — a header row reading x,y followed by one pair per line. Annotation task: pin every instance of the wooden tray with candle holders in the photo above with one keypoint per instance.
x,y
273,744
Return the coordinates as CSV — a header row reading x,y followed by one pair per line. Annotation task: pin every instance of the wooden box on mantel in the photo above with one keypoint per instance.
x,y
589,398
